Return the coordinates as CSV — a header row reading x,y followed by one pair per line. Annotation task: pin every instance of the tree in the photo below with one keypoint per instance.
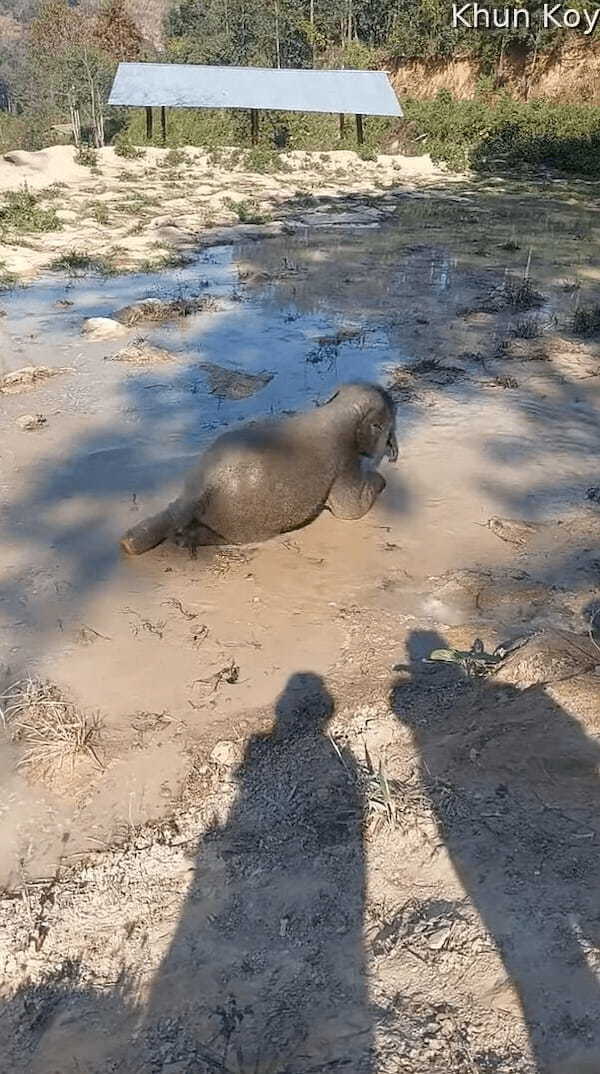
x,y
242,32
71,58
116,34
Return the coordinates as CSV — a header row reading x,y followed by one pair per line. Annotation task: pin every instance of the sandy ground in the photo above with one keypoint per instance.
x,y
285,843
135,211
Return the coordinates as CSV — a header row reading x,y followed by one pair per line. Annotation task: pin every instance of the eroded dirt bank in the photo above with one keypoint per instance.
x,y
381,864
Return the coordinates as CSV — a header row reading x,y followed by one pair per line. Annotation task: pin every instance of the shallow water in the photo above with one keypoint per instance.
x,y
119,437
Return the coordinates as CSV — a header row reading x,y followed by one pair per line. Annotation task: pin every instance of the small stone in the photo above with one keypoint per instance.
x,y
140,352
31,421
439,939
103,328
226,754
28,377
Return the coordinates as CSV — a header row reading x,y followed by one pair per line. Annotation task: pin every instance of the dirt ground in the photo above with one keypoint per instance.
x,y
245,825
143,212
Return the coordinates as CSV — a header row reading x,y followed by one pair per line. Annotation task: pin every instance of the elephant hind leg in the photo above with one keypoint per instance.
x,y
354,492
154,530
147,534
196,534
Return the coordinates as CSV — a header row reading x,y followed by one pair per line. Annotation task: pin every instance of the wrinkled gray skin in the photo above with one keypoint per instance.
x,y
270,477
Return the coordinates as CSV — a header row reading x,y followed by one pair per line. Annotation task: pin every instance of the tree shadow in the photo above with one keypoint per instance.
x,y
67,511
115,469
513,781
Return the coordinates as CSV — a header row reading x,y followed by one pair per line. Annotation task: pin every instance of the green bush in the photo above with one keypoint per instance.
x,y
489,132
21,211
497,133
214,129
247,211
586,321
87,156
124,148
262,159
8,279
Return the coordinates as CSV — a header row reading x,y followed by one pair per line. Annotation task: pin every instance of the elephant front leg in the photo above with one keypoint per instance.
x,y
354,492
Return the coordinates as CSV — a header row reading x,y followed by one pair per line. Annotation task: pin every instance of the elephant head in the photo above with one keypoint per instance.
x,y
373,413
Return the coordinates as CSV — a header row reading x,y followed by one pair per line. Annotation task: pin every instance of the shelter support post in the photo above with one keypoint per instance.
x,y
360,134
163,124
148,124
342,125
254,126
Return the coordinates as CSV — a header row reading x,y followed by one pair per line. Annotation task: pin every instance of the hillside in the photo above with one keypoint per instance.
x,y
565,68
569,73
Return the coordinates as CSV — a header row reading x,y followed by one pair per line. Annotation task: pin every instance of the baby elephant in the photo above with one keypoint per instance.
x,y
269,477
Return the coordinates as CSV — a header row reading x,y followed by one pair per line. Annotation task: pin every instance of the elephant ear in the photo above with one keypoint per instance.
x,y
331,397
369,430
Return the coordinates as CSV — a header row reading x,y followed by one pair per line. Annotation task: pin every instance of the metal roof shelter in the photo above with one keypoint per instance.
x,y
178,85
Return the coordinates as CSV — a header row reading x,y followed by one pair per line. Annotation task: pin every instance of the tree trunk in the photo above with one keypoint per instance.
x,y
100,125
312,27
277,40
75,123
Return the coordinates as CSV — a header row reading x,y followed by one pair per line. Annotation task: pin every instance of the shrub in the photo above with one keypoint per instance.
x,y
22,212
586,320
124,148
87,156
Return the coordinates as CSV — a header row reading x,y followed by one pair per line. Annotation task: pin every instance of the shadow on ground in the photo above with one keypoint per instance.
x,y
513,780
265,971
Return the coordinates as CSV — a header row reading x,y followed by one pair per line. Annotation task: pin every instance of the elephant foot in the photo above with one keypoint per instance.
x,y
147,534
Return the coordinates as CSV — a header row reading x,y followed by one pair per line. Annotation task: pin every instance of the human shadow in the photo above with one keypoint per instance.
x,y
513,781
266,969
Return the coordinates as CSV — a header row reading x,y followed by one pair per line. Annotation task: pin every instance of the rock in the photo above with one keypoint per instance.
x,y
513,530
102,328
255,278
31,421
229,236
233,383
509,598
158,309
549,657
343,335
360,218
226,754
439,939
27,377
142,353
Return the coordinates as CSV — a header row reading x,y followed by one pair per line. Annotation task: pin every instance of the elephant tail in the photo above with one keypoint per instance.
x,y
154,530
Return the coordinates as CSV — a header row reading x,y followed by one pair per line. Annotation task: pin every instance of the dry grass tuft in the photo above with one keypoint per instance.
x,y
50,729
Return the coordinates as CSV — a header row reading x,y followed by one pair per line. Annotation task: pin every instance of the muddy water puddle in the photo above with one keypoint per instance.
x,y
484,430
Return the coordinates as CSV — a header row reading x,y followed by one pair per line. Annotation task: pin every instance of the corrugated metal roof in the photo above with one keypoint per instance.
x,y
179,85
